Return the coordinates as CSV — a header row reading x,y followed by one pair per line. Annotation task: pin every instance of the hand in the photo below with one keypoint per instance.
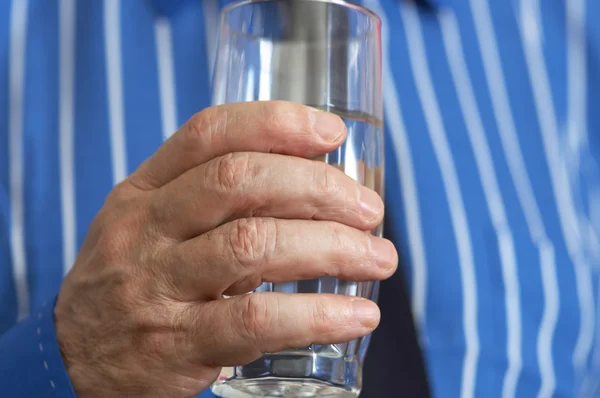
x,y
228,202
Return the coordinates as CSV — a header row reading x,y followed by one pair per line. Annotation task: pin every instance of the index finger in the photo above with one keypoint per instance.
x,y
268,126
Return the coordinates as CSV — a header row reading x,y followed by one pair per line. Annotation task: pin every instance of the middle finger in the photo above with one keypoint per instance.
x,y
242,185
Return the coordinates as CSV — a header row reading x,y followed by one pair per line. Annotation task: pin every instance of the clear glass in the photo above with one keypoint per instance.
x,y
325,54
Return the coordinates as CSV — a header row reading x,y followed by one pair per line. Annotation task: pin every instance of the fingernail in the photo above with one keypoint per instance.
x,y
329,126
371,204
366,312
383,252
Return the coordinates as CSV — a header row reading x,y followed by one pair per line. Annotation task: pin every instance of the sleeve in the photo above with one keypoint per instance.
x,y
31,364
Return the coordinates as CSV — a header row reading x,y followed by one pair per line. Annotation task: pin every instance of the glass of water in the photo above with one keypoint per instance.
x,y
325,54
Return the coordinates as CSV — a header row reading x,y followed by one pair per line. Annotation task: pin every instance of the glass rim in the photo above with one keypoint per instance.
x,y
344,3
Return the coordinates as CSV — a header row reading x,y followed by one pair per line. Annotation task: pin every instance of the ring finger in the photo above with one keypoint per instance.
x,y
238,256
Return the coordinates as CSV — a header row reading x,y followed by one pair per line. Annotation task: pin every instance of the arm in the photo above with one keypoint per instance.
x,y
31,364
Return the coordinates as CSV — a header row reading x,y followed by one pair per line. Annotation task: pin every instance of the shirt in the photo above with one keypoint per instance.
x,y
491,177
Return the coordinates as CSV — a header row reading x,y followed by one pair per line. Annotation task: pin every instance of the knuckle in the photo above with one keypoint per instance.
x,y
112,244
231,172
256,318
340,249
364,246
250,241
205,125
338,237
324,180
119,198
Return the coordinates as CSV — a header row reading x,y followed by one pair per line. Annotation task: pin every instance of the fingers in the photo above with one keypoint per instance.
x,y
239,256
238,330
270,126
254,184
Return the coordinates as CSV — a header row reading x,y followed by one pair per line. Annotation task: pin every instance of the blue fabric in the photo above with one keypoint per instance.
x,y
31,364
492,181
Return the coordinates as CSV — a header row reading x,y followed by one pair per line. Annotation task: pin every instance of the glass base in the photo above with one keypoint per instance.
x,y
328,370
271,387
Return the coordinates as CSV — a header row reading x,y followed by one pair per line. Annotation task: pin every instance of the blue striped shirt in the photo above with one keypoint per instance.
x,y
492,187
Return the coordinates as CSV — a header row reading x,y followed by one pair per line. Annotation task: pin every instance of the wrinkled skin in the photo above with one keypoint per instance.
x,y
231,200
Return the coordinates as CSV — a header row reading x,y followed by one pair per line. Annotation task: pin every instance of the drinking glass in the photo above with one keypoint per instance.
x,y
325,54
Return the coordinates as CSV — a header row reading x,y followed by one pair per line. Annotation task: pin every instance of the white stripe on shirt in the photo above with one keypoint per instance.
x,y
410,200
458,215
542,94
510,145
16,97
487,175
66,138
590,385
594,373
576,75
549,319
112,47
166,75
577,121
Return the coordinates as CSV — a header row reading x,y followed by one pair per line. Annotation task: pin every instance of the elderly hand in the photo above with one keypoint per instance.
x,y
231,200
